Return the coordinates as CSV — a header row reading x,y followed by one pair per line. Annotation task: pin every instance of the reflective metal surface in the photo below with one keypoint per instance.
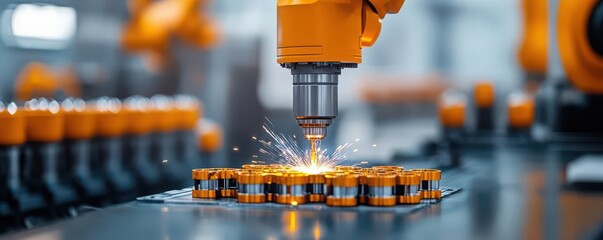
x,y
315,101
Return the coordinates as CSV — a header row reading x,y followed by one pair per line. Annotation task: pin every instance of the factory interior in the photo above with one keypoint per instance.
x,y
301,119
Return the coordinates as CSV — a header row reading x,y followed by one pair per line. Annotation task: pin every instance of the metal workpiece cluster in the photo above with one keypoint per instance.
x,y
56,154
345,186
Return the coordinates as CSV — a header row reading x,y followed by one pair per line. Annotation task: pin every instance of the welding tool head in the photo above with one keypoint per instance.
x,y
315,95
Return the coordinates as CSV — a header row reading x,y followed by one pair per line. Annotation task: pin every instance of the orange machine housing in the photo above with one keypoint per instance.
x,y
451,113
79,125
534,45
329,30
12,127
111,123
44,125
583,66
521,113
483,94
139,121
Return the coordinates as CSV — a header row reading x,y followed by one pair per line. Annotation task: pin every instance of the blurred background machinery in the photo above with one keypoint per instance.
x,y
105,101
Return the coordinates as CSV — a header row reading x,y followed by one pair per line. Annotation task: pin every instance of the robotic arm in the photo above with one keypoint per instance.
x,y
316,40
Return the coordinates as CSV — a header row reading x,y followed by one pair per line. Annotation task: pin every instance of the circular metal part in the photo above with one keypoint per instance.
x,y
316,188
431,194
430,183
276,165
288,199
428,174
342,190
342,180
251,187
413,199
408,178
316,198
341,202
270,185
407,188
227,182
381,189
389,168
254,166
203,173
251,178
348,168
203,184
362,188
226,173
291,187
292,179
249,198
223,180
208,194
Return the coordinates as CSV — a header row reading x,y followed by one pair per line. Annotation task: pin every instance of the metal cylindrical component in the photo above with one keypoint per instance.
x,y
342,190
388,168
227,182
315,97
251,187
316,188
270,185
430,183
381,189
407,188
348,168
291,187
205,185
362,188
255,166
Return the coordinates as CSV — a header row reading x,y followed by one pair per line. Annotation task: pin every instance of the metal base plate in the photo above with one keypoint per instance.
x,y
184,197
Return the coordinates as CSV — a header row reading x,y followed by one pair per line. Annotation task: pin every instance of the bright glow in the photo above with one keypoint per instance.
x,y
45,22
11,108
74,104
106,104
137,103
54,107
286,151
32,104
313,169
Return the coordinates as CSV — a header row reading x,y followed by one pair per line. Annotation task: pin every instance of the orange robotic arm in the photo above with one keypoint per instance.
x,y
329,30
316,39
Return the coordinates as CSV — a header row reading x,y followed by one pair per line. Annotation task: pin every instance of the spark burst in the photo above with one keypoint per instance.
x,y
285,150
